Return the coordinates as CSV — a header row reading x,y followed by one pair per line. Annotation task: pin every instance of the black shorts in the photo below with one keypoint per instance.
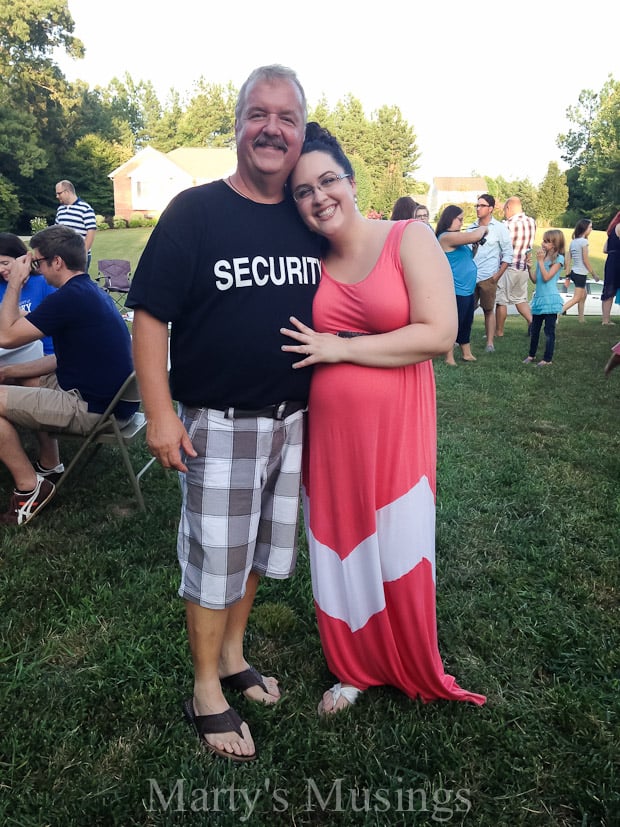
x,y
579,281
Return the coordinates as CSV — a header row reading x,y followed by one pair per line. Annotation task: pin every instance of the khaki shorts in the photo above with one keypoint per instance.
x,y
48,408
485,294
512,287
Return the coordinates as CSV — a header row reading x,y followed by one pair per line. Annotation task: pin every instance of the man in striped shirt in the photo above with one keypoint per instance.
x,y
77,214
512,287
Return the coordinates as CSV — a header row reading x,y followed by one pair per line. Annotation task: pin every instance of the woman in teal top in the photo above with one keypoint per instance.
x,y
460,249
546,301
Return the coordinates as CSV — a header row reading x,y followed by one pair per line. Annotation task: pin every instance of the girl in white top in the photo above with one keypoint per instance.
x,y
581,267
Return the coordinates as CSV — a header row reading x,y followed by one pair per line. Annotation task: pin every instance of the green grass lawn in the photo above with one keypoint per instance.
x,y
127,244
95,662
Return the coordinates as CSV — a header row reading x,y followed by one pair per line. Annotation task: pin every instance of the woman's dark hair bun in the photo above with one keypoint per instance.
x,y
316,132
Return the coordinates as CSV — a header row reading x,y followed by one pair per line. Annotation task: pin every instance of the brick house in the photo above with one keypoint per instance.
x,y
145,184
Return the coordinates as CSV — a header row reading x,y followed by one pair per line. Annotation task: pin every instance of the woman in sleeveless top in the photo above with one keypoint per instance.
x,y
611,285
384,308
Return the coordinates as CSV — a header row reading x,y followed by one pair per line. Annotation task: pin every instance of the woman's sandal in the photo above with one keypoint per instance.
x,y
337,691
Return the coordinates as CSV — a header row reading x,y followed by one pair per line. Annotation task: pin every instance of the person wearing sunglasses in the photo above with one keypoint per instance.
x,y
492,260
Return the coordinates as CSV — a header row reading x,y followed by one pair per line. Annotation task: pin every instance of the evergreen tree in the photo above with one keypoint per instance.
x,y
552,196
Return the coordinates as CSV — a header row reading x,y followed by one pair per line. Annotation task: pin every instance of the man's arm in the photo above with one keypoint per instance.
x,y
15,330
88,240
27,370
506,251
165,434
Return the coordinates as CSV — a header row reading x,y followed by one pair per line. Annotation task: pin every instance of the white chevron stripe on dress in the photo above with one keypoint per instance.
x,y
363,572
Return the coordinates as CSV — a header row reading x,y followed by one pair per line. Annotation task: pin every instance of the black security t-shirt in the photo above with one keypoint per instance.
x,y
228,273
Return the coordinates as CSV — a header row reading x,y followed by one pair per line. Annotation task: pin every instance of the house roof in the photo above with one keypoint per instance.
x,y
205,163
202,163
478,184
144,154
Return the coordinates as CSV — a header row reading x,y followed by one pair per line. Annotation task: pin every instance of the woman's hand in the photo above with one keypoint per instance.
x,y
540,254
315,347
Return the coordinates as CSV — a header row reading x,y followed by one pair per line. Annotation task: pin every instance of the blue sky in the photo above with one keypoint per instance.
x,y
486,89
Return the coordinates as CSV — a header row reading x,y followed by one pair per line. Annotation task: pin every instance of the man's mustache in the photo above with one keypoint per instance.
x,y
274,142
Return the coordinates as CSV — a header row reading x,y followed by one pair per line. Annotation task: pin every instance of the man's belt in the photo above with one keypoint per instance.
x,y
278,411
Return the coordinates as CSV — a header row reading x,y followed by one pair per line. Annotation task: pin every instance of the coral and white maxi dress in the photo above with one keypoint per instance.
x,y
369,497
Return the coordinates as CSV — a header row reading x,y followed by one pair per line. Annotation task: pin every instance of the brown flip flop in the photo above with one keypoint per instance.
x,y
228,721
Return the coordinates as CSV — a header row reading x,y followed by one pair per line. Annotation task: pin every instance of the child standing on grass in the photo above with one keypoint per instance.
x,y
581,267
546,301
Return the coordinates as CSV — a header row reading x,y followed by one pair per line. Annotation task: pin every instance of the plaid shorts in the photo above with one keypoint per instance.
x,y
240,506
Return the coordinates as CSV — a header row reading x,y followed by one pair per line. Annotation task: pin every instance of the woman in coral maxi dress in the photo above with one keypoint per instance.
x,y
384,308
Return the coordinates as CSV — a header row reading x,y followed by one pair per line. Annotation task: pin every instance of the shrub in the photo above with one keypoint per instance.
x,y
102,222
37,224
119,223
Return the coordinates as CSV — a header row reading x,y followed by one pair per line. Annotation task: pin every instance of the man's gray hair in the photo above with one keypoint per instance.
x,y
269,74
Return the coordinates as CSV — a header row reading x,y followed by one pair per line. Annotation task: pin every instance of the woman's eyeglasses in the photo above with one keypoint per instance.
x,y
306,191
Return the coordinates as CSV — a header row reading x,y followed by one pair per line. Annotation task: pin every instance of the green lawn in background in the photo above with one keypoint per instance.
x,y
94,661
127,244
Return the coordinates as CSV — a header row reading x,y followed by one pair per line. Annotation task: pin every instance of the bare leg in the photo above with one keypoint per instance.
x,y
581,309
49,456
449,358
12,453
466,353
14,457
606,310
580,295
206,629
489,326
231,657
524,309
501,311
614,361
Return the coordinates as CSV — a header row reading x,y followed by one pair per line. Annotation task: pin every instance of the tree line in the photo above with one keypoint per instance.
x,y
52,129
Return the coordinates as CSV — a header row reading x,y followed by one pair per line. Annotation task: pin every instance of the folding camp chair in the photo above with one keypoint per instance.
x,y
107,431
115,273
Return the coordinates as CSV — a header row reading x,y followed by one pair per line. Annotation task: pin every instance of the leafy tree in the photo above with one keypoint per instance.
x,y
165,132
392,143
89,163
592,150
601,176
363,183
9,205
320,113
209,119
34,94
528,194
388,187
552,196
386,144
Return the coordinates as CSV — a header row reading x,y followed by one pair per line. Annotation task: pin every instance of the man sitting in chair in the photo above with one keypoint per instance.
x,y
93,359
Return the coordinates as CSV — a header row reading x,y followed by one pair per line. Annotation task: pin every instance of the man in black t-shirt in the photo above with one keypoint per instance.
x,y
228,264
